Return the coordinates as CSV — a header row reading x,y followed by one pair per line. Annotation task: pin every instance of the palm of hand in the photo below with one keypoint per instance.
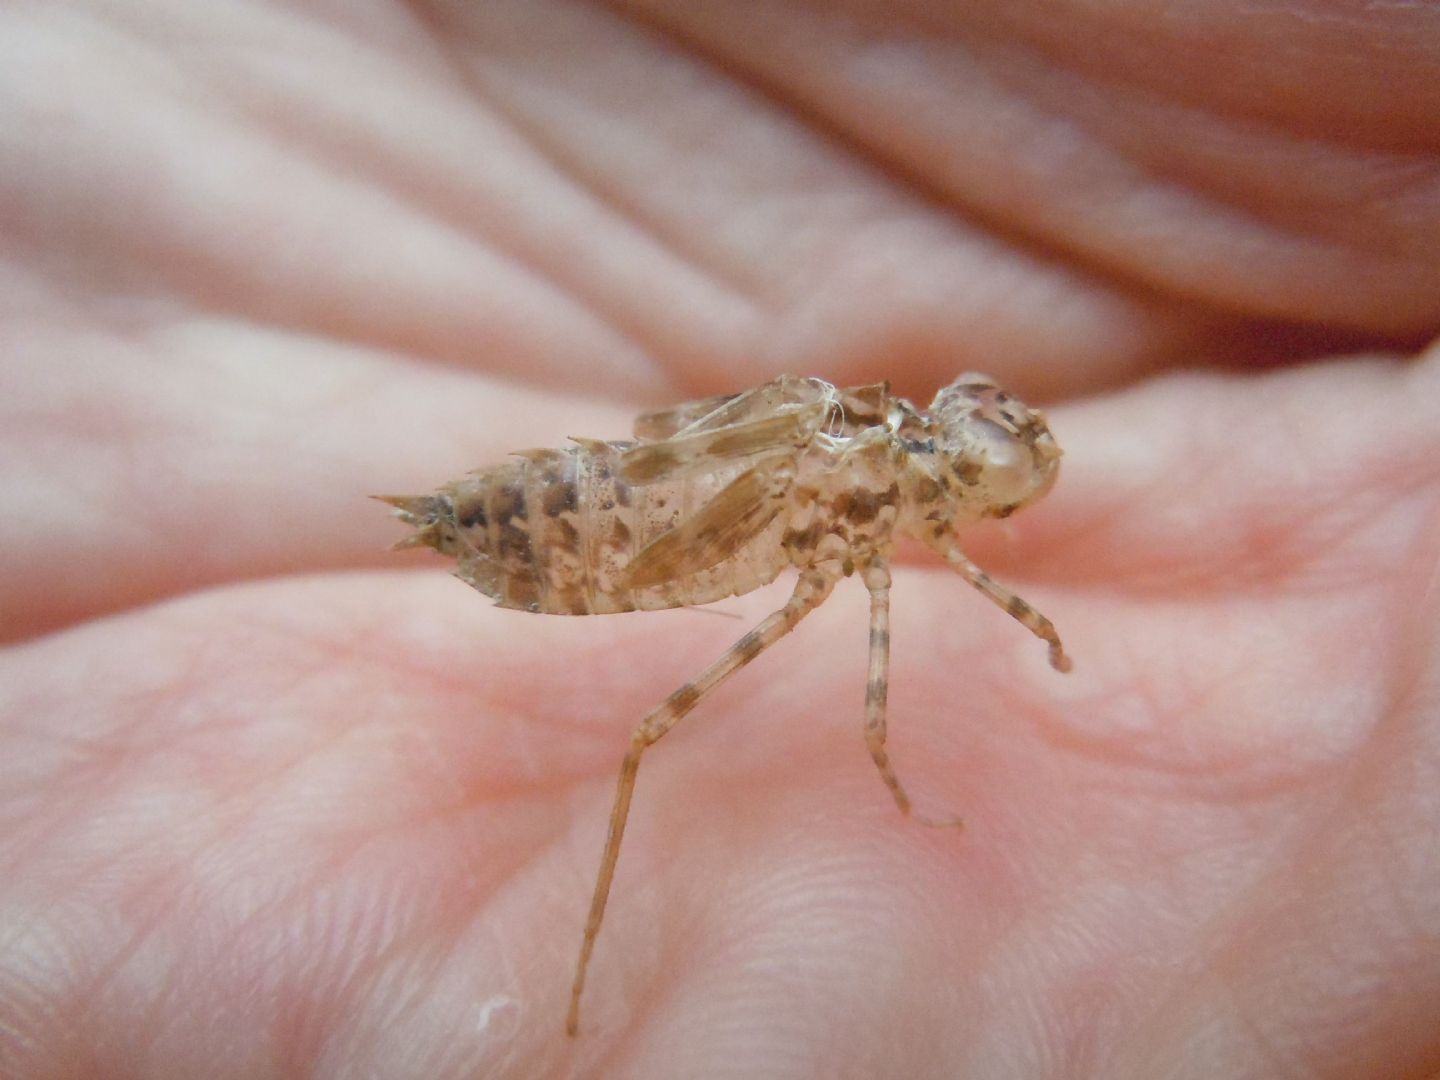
x,y
292,819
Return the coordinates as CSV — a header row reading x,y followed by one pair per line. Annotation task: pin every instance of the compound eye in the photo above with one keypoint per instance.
x,y
1007,466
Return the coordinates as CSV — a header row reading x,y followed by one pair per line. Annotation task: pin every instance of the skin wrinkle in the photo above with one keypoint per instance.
x,y
427,203
120,744
850,150
161,1011
1272,895
1408,678
1234,949
787,108
355,986
816,116
102,783
328,522
1208,971
680,938
1247,143
86,1000
356,991
1401,911
1127,44
282,131
467,898
730,281
1408,684
1067,236
819,120
1280,1062
1211,779
571,170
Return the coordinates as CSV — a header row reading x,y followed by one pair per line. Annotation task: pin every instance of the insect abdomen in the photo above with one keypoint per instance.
x,y
554,530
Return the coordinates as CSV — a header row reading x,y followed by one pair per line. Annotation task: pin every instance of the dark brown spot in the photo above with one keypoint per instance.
x,y
684,699
569,601
521,592
569,536
471,514
509,502
620,534
803,540
561,498
1017,607
879,639
1004,511
967,469
622,493
864,505
927,490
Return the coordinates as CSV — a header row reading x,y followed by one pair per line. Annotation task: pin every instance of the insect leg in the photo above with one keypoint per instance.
x,y
877,687
810,591
1017,608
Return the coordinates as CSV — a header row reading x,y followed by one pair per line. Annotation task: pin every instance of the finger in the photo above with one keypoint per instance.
x,y
224,453
1249,162
821,255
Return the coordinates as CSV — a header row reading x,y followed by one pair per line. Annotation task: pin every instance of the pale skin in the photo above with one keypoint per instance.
x,y
271,806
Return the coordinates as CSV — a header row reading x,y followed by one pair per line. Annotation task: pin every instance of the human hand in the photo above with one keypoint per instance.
x,y
273,803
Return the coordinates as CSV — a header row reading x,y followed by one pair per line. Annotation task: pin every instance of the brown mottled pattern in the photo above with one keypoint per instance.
x,y
553,531
722,494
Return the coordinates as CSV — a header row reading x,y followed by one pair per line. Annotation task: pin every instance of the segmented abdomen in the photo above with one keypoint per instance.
x,y
553,531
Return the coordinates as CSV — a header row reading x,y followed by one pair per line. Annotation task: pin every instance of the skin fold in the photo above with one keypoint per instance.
x,y
274,803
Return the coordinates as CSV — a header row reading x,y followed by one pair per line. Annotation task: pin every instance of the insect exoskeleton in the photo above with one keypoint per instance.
x,y
714,498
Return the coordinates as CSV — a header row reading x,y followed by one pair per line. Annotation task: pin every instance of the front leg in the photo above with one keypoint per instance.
x,y
1015,607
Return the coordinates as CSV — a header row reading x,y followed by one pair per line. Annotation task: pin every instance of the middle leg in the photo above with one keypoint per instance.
x,y
877,688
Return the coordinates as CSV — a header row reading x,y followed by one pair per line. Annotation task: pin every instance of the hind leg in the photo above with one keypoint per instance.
x,y
810,591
